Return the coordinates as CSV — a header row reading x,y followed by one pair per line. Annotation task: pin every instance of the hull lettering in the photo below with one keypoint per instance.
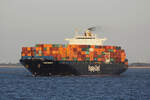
x,y
95,68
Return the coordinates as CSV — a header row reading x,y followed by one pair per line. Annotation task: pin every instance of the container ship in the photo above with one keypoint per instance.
x,y
83,55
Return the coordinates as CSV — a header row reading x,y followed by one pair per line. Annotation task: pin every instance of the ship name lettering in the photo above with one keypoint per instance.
x,y
47,62
95,68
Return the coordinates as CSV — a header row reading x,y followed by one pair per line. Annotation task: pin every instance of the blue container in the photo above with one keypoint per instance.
x,y
26,57
48,57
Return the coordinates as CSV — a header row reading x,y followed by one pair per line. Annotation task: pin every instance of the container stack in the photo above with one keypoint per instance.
x,y
26,52
59,52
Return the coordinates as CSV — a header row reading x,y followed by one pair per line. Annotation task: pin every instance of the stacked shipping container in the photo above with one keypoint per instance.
x,y
58,52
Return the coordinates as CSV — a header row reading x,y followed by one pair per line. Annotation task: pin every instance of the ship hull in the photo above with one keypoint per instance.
x,y
40,67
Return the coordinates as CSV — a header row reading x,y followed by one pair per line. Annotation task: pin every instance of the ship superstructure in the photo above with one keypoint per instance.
x,y
88,38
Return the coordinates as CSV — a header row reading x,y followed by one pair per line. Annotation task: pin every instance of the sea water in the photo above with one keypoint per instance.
x,y
19,84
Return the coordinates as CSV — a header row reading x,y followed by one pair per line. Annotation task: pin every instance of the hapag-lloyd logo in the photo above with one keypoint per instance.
x,y
95,68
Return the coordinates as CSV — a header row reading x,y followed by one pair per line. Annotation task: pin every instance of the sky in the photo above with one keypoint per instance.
x,y
125,23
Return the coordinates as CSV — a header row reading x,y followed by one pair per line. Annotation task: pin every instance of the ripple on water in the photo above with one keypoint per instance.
x,y
18,84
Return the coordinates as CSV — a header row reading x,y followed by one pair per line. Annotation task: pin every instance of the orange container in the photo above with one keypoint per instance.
x,y
99,59
122,59
28,48
29,54
111,47
24,48
73,46
83,52
79,59
91,57
87,56
37,48
40,54
92,46
114,50
60,49
102,50
23,54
